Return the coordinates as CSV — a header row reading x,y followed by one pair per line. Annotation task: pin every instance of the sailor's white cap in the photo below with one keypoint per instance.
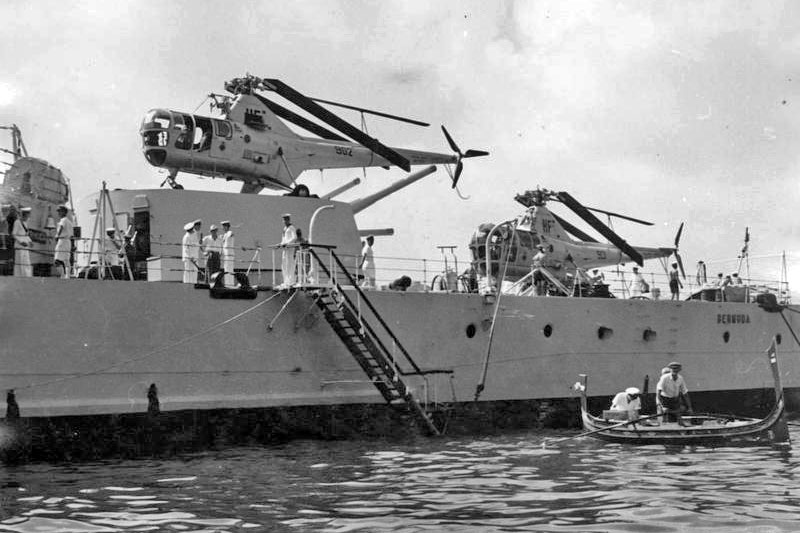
x,y
226,223
25,210
198,221
286,215
213,227
110,230
632,391
188,226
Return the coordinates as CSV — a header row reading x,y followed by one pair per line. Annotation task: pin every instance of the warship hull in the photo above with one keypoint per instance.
x,y
121,367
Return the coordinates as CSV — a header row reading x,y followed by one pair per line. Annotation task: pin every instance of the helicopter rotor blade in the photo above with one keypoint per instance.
x,y
332,120
678,235
572,230
296,119
450,141
677,255
371,112
604,230
459,168
475,153
680,264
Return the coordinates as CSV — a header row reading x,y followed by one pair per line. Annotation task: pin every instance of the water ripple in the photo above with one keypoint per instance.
x,y
508,483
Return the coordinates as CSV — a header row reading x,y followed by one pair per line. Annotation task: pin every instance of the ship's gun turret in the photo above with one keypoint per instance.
x,y
363,203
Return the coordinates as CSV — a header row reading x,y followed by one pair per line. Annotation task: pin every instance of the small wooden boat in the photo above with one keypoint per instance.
x,y
703,429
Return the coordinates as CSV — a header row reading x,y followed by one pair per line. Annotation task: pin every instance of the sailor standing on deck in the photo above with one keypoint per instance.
x,y
287,257
368,264
64,231
111,247
640,286
190,251
22,245
228,248
212,250
675,282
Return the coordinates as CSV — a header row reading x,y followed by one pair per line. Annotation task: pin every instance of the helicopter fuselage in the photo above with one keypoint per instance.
x,y
259,150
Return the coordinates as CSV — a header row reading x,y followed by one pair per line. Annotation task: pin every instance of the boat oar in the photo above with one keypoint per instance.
x,y
586,434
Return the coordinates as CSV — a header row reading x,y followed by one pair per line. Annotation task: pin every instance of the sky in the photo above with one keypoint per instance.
x,y
673,112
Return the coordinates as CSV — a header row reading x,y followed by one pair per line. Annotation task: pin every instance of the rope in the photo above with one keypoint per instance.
x,y
789,325
150,353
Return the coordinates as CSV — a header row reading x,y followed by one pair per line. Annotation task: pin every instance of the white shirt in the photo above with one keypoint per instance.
x,y
289,234
191,246
671,388
621,403
64,231
368,258
228,245
210,244
20,234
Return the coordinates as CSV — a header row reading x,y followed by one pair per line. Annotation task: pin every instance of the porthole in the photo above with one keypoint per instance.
x,y
726,336
604,332
221,147
778,338
246,138
649,335
471,331
548,330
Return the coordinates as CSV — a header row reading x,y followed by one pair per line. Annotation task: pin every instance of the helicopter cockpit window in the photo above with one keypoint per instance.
x,y
223,128
156,118
202,134
184,124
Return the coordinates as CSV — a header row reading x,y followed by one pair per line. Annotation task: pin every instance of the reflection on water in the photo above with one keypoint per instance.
x,y
506,483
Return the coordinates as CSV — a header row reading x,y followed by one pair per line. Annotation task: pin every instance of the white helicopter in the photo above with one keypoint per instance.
x,y
511,245
250,141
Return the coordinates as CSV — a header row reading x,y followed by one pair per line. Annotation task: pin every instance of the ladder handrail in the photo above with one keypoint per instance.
x,y
369,304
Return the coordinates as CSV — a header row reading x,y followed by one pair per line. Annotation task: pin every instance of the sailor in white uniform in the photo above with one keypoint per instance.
x,y
22,245
368,264
190,251
111,247
287,260
228,248
64,231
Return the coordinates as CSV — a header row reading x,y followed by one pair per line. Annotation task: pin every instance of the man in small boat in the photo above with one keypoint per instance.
x,y
736,279
671,391
628,400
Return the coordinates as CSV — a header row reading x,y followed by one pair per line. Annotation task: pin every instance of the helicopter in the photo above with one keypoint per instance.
x,y
511,245
252,142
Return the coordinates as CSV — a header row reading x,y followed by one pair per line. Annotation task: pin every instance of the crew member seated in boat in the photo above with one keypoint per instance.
x,y
736,279
719,280
671,392
628,400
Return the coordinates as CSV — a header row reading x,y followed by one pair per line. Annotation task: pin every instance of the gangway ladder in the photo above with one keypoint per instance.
x,y
367,348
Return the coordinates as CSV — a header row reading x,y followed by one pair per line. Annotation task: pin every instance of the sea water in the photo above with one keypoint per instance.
x,y
512,482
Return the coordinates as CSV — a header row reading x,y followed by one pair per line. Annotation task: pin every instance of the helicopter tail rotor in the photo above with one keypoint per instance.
x,y
677,255
461,155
